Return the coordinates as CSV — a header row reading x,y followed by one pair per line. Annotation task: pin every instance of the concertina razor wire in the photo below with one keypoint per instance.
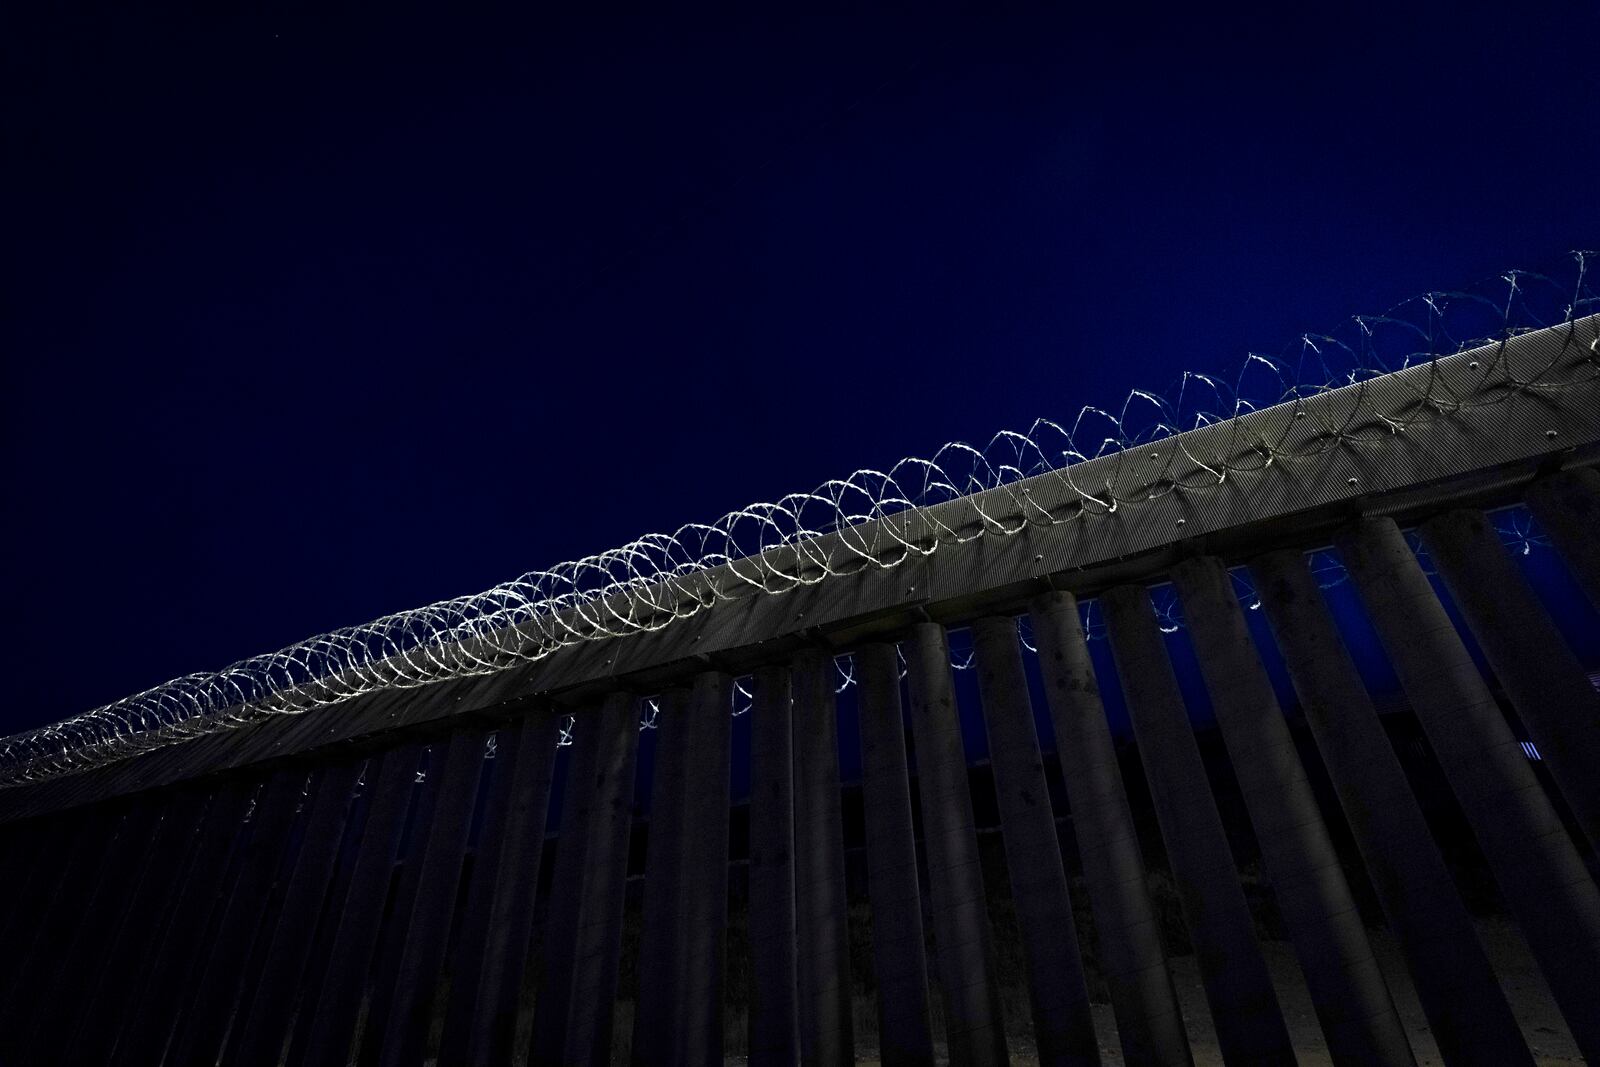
x,y
658,579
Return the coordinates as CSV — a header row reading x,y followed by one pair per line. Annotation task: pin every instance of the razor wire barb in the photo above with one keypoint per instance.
x,y
872,518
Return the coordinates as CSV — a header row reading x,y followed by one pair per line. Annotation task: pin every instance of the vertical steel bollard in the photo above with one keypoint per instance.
x,y
92,1036
1533,859
402,901
1352,1000
480,1026
1244,1006
438,881
495,841
1547,684
1149,1020
552,1005
774,1008
586,895
658,1015
974,1030
899,951
149,1018
264,1020
823,961
330,1024
204,1027
39,1032
686,880
599,934
705,866
1459,992
1063,1028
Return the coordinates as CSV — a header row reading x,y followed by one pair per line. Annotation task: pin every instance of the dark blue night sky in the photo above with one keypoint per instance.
x,y
308,320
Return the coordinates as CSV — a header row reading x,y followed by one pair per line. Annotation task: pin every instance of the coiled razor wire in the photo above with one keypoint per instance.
x,y
654,581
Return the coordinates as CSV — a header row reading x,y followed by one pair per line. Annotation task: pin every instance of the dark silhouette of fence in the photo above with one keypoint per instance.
x,y
371,882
